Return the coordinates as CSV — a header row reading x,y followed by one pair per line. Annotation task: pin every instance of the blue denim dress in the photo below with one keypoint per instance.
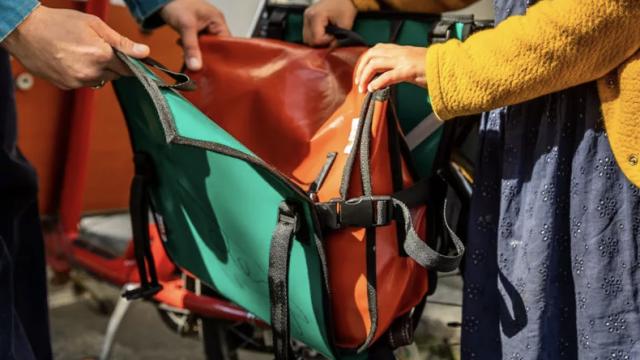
x,y
553,262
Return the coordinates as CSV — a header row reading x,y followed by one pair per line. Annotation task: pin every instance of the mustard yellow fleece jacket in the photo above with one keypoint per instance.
x,y
558,44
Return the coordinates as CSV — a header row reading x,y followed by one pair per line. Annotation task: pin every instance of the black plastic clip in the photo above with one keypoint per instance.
x,y
142,292
365,212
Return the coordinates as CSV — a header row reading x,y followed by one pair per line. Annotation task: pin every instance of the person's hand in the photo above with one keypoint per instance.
x,y
69,48
341,13
394,64
189,18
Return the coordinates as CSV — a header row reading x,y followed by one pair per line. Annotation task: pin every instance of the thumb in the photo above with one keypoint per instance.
x,y
122,43
219,29
314,32
192,55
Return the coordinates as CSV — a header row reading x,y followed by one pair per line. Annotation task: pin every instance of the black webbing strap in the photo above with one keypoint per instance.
x,y
279,257
345,37
139,210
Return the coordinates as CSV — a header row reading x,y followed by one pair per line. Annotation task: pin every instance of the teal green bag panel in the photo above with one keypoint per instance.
x,y
412,101
219,213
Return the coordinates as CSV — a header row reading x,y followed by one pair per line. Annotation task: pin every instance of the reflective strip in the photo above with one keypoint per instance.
x,y
423,130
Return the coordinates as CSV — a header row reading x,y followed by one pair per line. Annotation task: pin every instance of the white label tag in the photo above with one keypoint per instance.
x,y
162,231
352,135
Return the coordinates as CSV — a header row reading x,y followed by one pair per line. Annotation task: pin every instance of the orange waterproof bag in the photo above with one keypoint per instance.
x,y
297,109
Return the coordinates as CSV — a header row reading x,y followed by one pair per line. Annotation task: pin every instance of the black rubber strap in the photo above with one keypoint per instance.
x,y
279,257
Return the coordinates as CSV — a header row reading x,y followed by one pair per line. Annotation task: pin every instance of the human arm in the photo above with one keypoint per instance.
x,y
342,13
69,48
556,45
187,17
13,13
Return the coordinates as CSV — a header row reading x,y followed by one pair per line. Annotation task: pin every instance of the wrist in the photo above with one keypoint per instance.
x,y
15,36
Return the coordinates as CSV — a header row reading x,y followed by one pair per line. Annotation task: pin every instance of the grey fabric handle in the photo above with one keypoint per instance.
x,y
422,253
279,260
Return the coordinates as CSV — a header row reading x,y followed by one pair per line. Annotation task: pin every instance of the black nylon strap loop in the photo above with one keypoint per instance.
x,y
345,37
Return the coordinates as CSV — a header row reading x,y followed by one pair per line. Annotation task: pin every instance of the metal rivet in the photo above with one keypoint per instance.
x,y
24,81
611,81
633,159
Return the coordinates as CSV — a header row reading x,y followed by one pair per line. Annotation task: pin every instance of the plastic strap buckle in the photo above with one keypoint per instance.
x,y
365,211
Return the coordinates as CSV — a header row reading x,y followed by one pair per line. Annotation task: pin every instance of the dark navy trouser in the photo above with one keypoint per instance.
x,y
24,322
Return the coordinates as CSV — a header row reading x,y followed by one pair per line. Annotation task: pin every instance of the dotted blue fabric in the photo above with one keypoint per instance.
x,y
553,261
